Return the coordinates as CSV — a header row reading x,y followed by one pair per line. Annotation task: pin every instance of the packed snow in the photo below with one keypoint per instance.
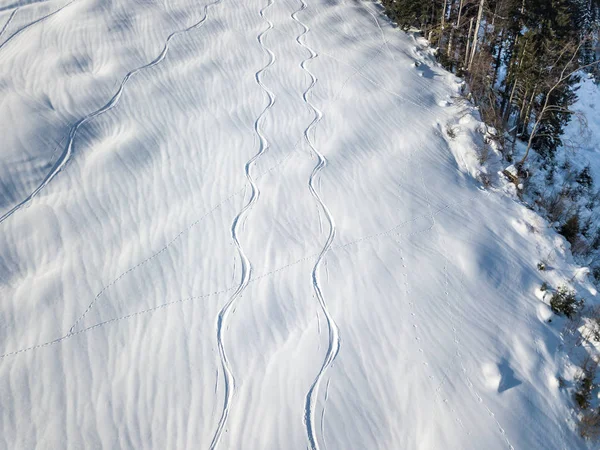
x,y
244,225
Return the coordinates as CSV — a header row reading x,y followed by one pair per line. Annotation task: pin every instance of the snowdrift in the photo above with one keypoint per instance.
x,y
243,225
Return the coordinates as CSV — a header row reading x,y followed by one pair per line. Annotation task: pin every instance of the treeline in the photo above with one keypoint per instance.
x,y
520,57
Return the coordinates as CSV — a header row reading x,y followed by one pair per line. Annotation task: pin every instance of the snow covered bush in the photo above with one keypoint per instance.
x,y
565,303
589,419
589,425
570,230
585,384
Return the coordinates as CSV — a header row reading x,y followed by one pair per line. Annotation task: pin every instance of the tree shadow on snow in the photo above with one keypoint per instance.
x,y
426,71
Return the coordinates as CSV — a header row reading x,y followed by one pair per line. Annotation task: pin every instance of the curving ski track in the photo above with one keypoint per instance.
x,y
8,21
29,25
246,266
334,338
66,155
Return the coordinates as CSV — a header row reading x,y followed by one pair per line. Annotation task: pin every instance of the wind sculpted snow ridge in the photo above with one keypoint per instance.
x,y
269,242
24,28
333,331
65,156
113,101
246,265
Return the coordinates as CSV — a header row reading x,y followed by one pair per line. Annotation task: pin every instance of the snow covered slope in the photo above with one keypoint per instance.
x,y
242,225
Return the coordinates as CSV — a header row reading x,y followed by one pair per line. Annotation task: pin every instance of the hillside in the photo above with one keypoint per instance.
x,y
245,225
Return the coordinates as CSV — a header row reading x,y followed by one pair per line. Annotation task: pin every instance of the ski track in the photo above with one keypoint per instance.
x,y
358,71
246,266
279,164
243,269
388,232
7,23
31,24
322,424
21,4
334,338
66,155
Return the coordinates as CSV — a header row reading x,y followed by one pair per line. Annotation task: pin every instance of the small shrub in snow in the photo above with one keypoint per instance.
x,y
565,303
589,417
589,425
485,153
541,266
596,240
485,179
584,178
592,327
450,131
544,287
570,230
585,383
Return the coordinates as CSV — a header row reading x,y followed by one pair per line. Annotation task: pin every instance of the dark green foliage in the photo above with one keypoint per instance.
x,y
533,43
565,303
585,384
407,13
589,416
596,241
584,178
570,230
548,136
586,227
583,397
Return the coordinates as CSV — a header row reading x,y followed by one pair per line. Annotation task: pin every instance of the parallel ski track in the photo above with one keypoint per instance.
x,y
171,242
394,230
334,335
8,21
246,266
66,155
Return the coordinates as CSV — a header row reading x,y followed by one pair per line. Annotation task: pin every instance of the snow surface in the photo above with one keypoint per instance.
x,y
582,135
243,225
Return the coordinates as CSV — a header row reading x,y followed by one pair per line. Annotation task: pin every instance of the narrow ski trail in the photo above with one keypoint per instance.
x,y
333,331
8,21
246,266
68,151
31,24
239,280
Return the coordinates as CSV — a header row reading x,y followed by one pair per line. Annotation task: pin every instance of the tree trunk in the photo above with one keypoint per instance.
x,y
521,113
476,35
460,7
468,40
453,30
498,61
443,22
529,108
514,86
